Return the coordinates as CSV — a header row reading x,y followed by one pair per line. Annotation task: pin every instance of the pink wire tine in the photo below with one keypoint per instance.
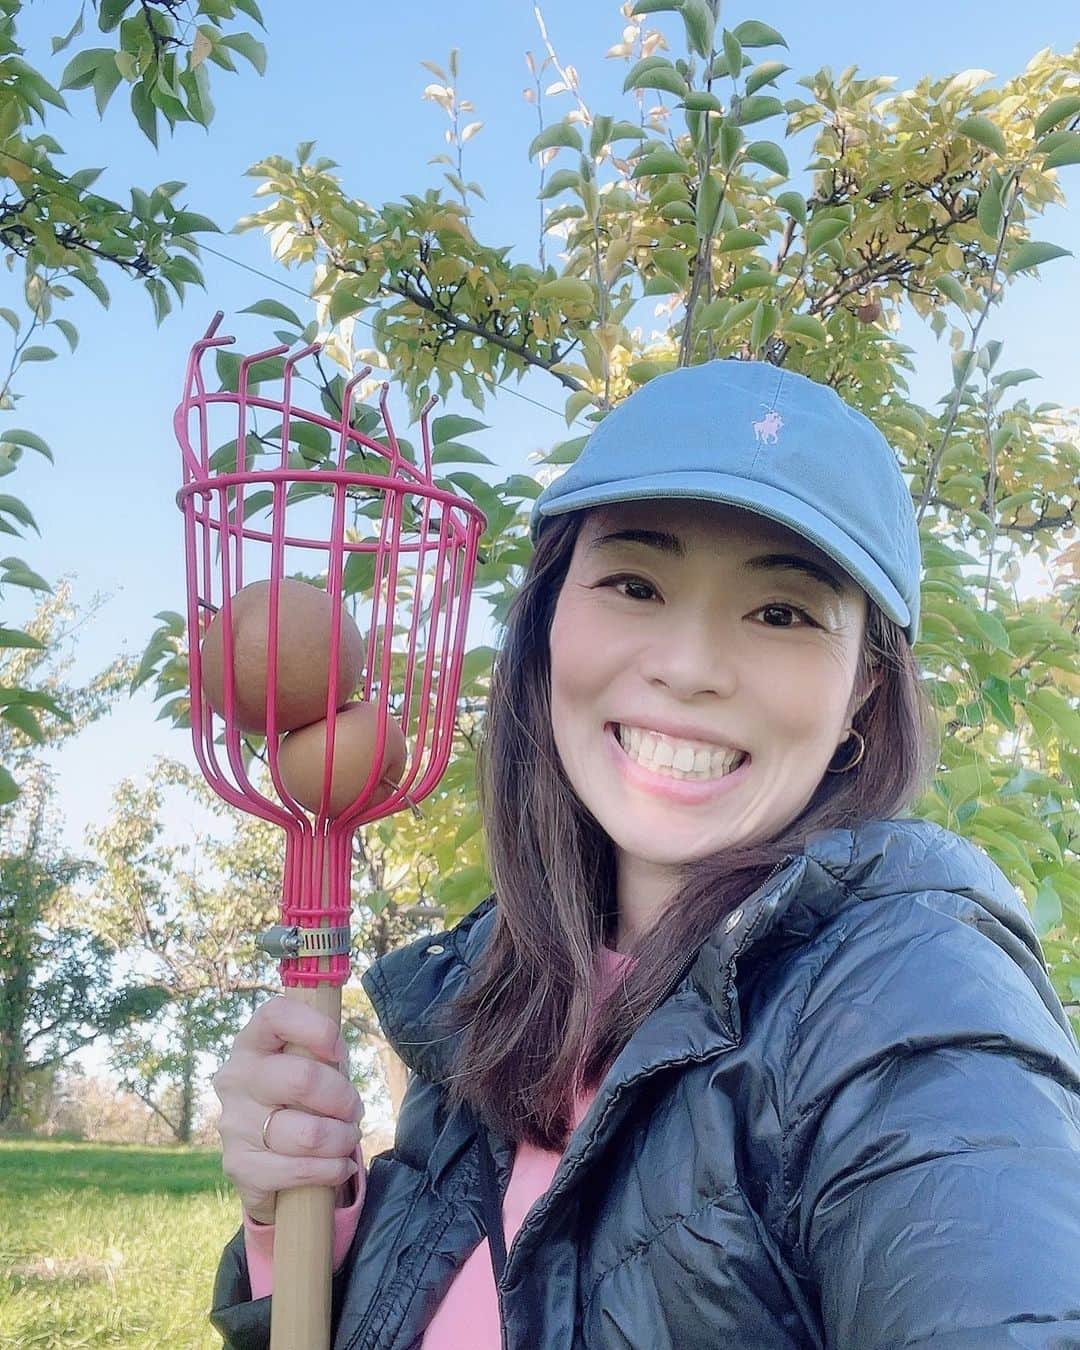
x,y
391,436
425,433
286,395
346,413
193,381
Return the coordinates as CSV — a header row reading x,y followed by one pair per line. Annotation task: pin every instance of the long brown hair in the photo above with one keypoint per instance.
x,y
526,1020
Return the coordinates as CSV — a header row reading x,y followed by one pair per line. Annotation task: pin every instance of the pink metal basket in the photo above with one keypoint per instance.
x,y
357,516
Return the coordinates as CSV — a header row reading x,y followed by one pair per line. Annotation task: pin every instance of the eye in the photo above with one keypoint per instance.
x,y
625,579
782,610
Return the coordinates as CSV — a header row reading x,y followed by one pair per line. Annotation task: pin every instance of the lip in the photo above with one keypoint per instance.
x,y
686,791
680,731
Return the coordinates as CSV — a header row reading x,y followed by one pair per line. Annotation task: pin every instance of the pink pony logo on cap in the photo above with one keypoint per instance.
x,y
768,429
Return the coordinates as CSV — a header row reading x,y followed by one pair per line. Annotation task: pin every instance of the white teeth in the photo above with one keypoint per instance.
x,y
677,759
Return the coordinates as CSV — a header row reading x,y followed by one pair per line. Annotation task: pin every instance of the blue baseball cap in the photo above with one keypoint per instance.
x,y
753,435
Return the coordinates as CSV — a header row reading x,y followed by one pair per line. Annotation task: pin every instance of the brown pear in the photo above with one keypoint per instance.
x,y
302,757
303,665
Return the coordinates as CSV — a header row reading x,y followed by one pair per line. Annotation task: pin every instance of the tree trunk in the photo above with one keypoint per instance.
x,y
20,910
187,1082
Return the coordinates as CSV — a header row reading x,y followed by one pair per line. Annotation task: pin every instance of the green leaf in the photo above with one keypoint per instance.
x,y
988,211
1010,377
15,637
660,161
248,47
450,426
697,101
9,789
763,324
700,26
751,33
106,78
452,452
663,76
37,354
251,9
190,222
750,280
626,131
640,67
1065,718
1067,151
145,113
1055,113
27,439
996,693
951,289
59,43
993,630
347,300
822,231
1033,254
1046,911
764,74
732,52
794,203
110,12
984,132
69,331
709,198
656,7
731,140
559,133
23,718
673,263
739,237
757,107
805,326
79,71
560,181
769,154
566,290
21,575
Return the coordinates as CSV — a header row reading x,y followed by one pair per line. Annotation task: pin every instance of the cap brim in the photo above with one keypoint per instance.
x,y
752,496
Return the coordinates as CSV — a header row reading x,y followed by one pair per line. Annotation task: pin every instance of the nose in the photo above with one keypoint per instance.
x,y
691,658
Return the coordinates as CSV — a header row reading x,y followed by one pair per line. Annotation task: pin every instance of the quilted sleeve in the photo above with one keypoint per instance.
x,y
931,1161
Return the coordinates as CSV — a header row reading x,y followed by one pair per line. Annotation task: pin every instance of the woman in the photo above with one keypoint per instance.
x,y
760,1061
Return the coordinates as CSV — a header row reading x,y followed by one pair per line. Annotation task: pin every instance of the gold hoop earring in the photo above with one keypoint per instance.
x,y
861,751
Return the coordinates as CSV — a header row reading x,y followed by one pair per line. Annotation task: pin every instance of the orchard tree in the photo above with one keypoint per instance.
x,y
57,993
732,208
184,915
59,235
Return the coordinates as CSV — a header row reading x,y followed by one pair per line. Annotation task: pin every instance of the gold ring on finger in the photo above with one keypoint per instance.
x,y
266,1125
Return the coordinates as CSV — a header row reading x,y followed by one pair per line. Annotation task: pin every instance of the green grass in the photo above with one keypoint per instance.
x,y
110,1245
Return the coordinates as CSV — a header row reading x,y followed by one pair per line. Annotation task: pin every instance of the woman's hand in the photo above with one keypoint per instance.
x,y
311,1141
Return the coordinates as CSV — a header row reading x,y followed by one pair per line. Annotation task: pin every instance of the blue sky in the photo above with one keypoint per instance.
x,y
349,76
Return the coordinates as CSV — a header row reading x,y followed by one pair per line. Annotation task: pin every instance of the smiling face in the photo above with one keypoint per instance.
x,y
726,631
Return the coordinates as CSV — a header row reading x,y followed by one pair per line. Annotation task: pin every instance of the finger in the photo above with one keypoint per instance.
x,y
292,1080
284,1021
299,1134
257,1173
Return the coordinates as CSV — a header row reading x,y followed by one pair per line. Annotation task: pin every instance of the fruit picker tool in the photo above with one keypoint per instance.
x,y
350,510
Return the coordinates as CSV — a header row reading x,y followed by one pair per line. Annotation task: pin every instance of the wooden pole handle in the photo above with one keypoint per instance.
x,y
304,1235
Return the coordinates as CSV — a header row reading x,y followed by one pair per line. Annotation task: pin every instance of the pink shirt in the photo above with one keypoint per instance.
x,y
468,1317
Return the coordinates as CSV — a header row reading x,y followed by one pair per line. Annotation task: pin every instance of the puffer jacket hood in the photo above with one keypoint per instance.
x,y
854,1123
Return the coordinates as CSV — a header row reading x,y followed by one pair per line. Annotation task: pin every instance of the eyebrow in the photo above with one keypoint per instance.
x,y
765,562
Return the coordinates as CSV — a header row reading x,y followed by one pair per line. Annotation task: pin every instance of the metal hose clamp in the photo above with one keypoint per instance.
x,y
283,942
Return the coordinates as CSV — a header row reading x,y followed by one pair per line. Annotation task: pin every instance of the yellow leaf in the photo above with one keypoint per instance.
x,y
200,49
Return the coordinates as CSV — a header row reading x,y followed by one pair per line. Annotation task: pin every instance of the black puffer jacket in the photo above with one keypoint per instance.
x,y
854,1124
